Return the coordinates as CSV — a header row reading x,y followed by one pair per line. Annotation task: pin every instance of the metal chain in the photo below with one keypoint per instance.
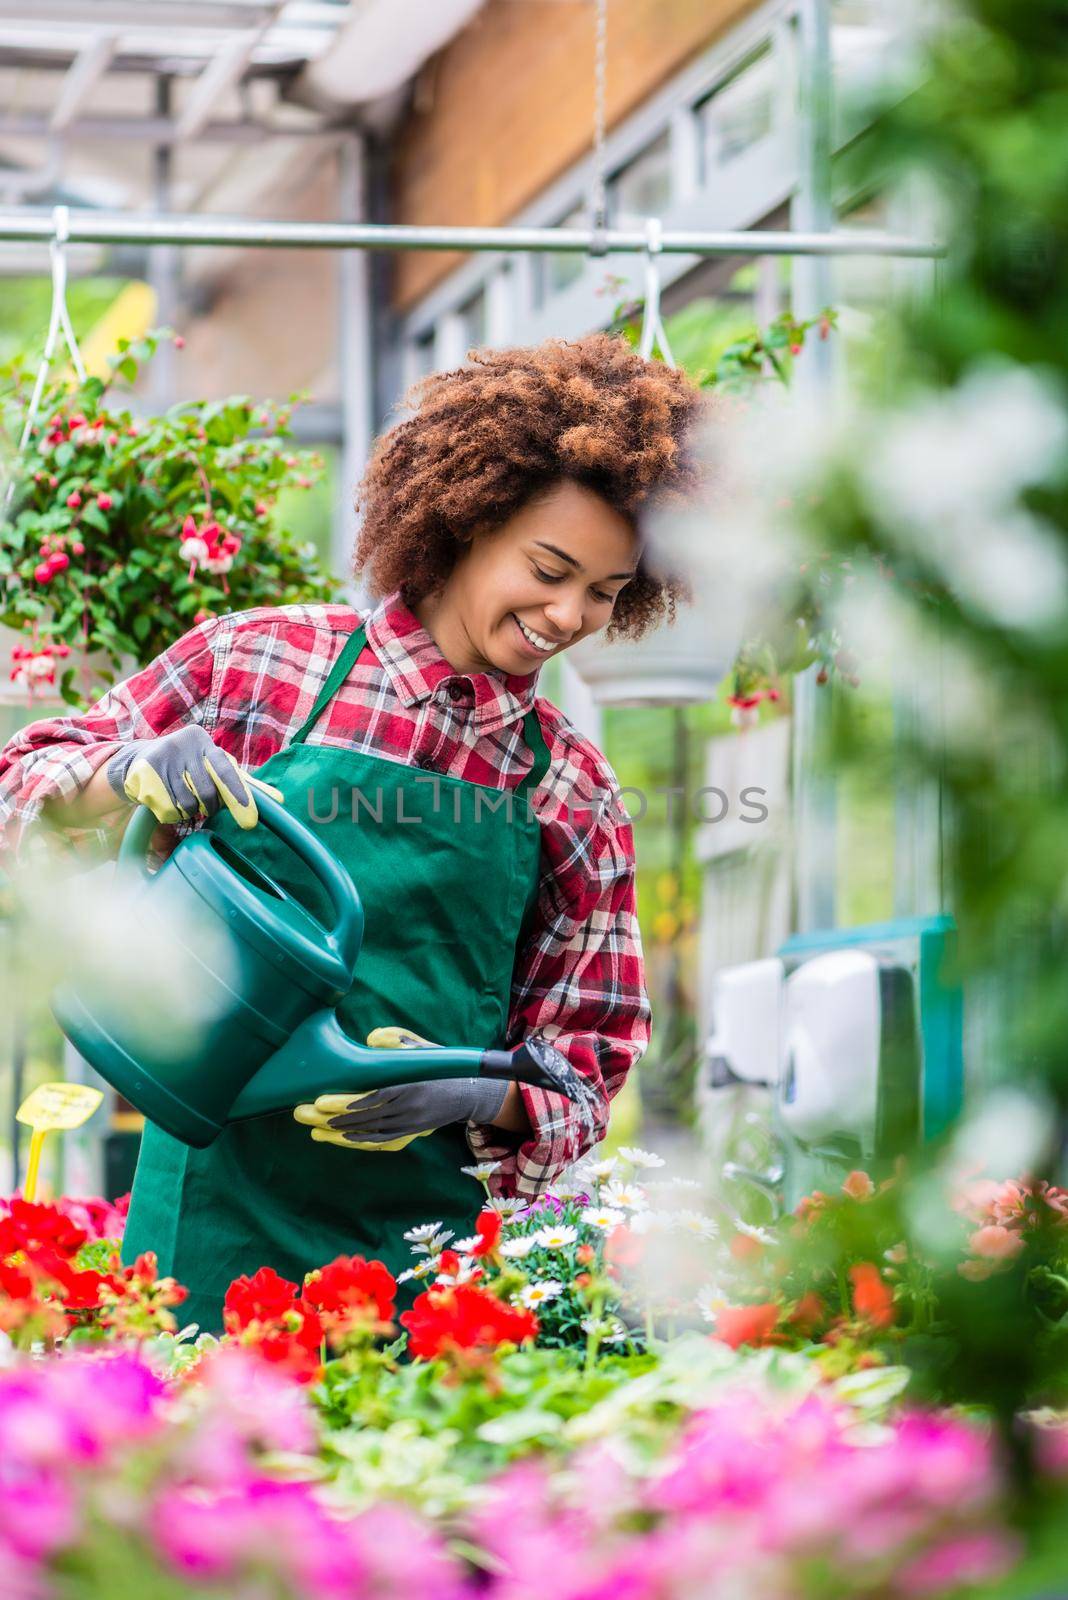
x,y
599,184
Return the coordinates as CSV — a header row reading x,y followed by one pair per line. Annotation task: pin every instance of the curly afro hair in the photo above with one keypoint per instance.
x,y
488,438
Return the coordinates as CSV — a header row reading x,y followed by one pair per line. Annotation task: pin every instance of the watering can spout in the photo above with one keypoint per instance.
x,y
319,1057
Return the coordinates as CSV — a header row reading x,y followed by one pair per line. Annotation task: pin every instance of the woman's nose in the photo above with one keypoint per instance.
x,y
565,614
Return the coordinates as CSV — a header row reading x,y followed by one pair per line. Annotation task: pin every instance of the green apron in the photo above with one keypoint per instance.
x,y
448,872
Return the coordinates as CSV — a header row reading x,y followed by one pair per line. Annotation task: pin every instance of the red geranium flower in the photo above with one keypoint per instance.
x,y
465,1323
352,1296
872,1298
264,1297
264,1313
738,1325
488,1227
35,1228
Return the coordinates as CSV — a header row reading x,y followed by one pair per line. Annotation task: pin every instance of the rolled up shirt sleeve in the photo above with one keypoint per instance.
x,y
579,984
55,758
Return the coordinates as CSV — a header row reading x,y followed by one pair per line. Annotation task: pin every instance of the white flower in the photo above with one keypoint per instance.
x,y
425,1231
569,1190
505,1206
694,1222
610,1329
619,1193
640,1158
422,1269
602,1217
752,1232
514,1249
434,1244
536,1294
466,1247
484,1170
710,1301
601,1169
193,549
466,1272
643,1222
555,1238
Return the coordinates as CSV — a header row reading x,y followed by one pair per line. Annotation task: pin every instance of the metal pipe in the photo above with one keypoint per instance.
x,y
92,227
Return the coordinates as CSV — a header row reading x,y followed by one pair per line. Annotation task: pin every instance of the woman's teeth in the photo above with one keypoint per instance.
x,y
534,638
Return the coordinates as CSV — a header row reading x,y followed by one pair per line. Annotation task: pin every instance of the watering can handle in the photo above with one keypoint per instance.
x,y
346,935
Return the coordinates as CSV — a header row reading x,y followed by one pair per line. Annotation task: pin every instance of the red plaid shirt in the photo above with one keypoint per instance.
x,y
250,679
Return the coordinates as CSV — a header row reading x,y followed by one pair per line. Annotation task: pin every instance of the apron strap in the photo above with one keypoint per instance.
x,y
344,664
338,673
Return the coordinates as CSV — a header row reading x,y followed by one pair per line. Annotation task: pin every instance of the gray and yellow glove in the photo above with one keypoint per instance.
x,y
390,1118
184,775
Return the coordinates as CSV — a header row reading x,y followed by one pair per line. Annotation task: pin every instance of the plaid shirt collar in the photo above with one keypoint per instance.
x,y
416,668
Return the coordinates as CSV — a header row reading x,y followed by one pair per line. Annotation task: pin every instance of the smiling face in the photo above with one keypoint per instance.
x,y
545,579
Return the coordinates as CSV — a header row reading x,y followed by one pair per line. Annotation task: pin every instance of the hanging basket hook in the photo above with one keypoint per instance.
x,y
653,335
58,319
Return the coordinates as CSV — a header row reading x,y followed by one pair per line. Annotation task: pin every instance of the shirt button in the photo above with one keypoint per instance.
x,y
423,760
457,691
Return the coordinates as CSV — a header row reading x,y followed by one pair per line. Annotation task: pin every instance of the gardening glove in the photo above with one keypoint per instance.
x,y
184,775
390,1118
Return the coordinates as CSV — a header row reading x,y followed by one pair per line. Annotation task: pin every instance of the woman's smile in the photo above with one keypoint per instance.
x,y
534,643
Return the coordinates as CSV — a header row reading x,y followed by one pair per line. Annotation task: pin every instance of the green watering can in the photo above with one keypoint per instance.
x,y
273,1039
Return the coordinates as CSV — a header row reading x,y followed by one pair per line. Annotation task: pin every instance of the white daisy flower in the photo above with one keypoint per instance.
x,y
628,1195
710,1301
610,1329
752,1232
422,1269
515,1249
643,1222
484,1170
694,1222
602,1169
466,1272
537,1293
570,1191
466,1247
602,1217
506,1206
556,1237
434,1245
421,1234
640,1158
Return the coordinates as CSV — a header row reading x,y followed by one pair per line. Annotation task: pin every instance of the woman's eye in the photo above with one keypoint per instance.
x,y
558,577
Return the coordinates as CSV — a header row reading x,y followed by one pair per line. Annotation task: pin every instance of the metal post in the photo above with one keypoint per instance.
x,y
163,264
355,351
815,866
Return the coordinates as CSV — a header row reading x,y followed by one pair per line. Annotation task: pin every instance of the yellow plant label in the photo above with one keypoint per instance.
x,y
56,1107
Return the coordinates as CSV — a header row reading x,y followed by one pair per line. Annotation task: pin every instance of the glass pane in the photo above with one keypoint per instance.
x,y
552,273
472,316
643,187
738,114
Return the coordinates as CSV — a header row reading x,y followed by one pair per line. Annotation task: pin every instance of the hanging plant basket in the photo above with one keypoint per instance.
x,y
123,532
682,663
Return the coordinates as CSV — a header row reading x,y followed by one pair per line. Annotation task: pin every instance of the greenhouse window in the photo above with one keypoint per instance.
x,y
738,114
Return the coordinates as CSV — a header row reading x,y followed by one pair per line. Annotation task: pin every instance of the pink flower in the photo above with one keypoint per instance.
x,y
969,1558
858,1186
74,499
105,502
995,1243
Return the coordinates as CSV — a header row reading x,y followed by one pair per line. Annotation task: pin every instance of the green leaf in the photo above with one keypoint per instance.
x,y
127,368
141,624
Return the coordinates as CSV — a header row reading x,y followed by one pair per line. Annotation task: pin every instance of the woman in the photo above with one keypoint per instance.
x,y
499,528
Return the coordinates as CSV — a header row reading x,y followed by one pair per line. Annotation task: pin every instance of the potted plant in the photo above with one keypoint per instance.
x,y
124,531
685,661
